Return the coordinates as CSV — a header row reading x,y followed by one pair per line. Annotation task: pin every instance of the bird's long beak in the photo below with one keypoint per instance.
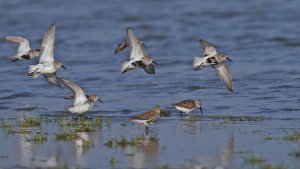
x,y
229,59
100,100
154,62
63,67
201,109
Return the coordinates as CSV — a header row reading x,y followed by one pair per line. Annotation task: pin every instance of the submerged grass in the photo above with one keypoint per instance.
x,y
67,136
31,122
293,137
237,118
113,161
123,142
39,139
254,159
10,128
295,153
83,125
260,162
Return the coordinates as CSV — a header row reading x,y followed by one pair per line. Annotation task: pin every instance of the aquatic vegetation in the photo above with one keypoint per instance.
x,y
31,122
3,156
293,137
165,113
113,161
193,117
260,162
163,166
254,159
109,143
108,123
98,121
237,118
295,153
268,138
39,139
6,124
11,128
83,125
123,142
66,136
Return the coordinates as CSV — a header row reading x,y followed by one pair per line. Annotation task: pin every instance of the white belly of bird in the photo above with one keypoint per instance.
x,y
47,68
81,108
143,122
184,109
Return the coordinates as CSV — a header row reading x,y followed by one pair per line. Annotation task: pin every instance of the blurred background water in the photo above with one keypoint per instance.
x,y
262,37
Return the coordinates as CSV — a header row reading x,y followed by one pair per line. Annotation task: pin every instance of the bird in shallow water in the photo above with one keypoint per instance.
x,y
138,55
47,66
216,60
187,106
148,117
82,103
24,51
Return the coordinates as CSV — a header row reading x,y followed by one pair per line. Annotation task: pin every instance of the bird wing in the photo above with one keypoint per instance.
x,y
77,92
47,48
225,75
143,116
121,47
23,43
209,48
137,50
53,79
186,104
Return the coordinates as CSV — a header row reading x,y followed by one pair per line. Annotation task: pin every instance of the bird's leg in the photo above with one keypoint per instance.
x,y
84,117
201,111
147,130
76,118
181,114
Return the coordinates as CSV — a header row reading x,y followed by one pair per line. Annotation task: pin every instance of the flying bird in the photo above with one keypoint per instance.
x,y
139,58
216,60
82,103
24,51
47,66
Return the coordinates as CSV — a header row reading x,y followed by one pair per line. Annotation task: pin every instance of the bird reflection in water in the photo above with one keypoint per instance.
x,y
145,154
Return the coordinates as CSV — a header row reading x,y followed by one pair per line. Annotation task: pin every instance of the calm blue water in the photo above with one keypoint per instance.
x,y
262,37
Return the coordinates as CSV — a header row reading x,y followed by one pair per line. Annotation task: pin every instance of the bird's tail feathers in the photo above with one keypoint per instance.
x,y
32,71
126,66
14,58
198,63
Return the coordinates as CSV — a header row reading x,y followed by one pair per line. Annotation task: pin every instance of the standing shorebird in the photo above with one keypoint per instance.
x,y
187,106
216,60
138,55
47,66
148,117
82,103
24,51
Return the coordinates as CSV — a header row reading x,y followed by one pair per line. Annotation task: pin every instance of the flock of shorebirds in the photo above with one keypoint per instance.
x,y
139,58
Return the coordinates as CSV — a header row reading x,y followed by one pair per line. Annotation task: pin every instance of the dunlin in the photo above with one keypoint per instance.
x,y
187,106
82,103
148,117
47,66
138,55
24,51
216,60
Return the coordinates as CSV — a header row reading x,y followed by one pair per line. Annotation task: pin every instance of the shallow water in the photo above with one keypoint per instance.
x,y
261,37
